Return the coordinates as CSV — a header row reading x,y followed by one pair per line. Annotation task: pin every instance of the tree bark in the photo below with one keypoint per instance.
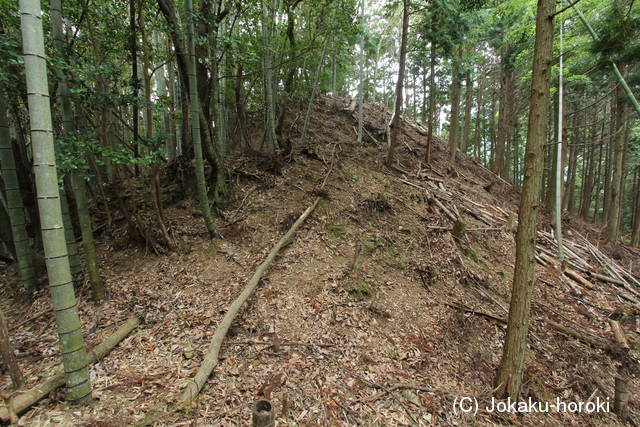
x,y
509,375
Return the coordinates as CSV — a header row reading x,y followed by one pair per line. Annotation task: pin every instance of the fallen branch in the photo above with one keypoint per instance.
x,y
436,227
211,358
284,344
604,278
25,400
476,312
371,136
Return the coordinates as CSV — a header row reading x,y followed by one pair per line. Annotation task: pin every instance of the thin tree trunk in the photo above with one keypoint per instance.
x,y
245,141
361,73
479,112
314,88
270,139
15,209
635,232
509,375
618,165
506,98
455,111
557,186
396,123
8,356
78,183
194,107
432,102
466,127
133,45
6,237
74,356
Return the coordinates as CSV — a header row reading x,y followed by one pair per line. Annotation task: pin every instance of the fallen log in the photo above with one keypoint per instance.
x,y
604,278
23,401
584,337
578,278
210,361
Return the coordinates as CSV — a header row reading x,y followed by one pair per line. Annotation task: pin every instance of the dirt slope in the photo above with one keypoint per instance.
x,y
387,296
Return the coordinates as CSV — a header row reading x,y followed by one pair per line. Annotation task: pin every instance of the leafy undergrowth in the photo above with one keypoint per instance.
x,y
369,317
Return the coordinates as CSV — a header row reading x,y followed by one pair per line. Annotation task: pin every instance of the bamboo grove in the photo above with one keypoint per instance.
x,y
101,99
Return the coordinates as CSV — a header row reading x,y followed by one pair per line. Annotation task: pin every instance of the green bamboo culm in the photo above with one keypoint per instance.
x,y
194,112
97,284
78,183
74,356
70,240
14,204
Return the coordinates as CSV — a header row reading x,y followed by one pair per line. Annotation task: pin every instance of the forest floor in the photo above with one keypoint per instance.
x,y
388,334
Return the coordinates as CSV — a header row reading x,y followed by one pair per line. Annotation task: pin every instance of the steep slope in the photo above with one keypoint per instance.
x,y
375,314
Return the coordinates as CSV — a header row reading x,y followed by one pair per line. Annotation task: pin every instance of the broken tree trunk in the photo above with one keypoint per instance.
x,y
621,396
25,400
211,358
8,356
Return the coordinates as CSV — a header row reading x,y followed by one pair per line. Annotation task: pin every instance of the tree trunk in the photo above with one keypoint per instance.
x,y
635,232
432,102
78,183
270,139
491,160
618,165
172,137
6,237
361,72
509,375
314,88
608,175
135,83
506,99
194,112
396,123
15,209
74,356
455,110
8,356
466,127
245,140
479,110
